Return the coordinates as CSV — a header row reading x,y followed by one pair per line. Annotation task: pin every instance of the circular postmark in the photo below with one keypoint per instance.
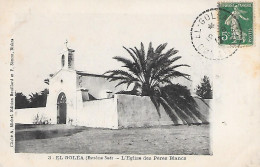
x,y
205,36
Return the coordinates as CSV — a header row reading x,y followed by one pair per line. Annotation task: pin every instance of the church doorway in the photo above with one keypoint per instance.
x,y
62,109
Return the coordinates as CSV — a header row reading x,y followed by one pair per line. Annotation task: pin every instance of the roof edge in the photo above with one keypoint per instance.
x,y
82,73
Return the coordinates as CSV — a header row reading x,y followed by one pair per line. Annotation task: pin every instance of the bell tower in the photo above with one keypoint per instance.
x,y
67,58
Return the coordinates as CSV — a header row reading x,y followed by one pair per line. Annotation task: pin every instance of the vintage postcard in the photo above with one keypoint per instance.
x,y
130,83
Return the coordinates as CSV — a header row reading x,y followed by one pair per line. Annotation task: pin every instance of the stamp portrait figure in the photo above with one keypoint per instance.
x,y
232,21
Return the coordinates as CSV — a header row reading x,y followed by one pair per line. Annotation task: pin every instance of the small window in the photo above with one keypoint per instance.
x,y
62,61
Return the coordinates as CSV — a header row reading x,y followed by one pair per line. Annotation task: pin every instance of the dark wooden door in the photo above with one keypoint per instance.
x,y
63,108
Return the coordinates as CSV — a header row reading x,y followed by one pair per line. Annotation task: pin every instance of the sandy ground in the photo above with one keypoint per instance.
x,y
164,140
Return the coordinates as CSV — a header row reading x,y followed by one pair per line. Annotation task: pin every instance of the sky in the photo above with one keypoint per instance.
x,y
97,35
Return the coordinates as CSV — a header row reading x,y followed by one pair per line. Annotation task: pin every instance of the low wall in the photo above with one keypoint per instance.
x,y
122,111
204,107
139,111
98,114
28,115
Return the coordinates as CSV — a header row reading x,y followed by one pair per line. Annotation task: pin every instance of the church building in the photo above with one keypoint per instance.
x,y
69,89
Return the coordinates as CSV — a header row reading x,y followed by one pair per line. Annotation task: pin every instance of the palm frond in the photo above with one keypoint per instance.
x,y
162,61
175,74
160,48
150,53
131,54
167,70
120,74
138,61
171,52
173,60
142,51
128,64
122,82
141,59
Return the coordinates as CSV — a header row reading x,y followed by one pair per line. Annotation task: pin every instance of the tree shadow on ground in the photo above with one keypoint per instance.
x,y
31,132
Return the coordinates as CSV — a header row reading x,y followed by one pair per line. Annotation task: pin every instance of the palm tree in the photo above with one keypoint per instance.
x,y
38,99
151,74
204,90
21,100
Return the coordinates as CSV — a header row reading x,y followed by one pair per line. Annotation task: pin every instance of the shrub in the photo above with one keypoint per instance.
x,y
204,90
41,120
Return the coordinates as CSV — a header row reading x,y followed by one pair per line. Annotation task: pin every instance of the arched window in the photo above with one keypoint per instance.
x,y
61,98
62,61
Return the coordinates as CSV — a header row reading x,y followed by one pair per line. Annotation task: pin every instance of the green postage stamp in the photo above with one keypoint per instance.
x,y
236,23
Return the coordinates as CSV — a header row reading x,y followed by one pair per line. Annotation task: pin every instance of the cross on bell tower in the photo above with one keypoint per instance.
x,y
67,58
66,43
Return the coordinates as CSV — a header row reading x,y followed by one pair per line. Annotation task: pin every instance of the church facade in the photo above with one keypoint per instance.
x,y
69,89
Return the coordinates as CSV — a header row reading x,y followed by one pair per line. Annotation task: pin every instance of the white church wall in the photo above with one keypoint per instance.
x,y
99,114
64,81
28,115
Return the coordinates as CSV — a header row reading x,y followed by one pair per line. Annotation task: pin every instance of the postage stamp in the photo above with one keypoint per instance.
x,y
236,23
205,38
